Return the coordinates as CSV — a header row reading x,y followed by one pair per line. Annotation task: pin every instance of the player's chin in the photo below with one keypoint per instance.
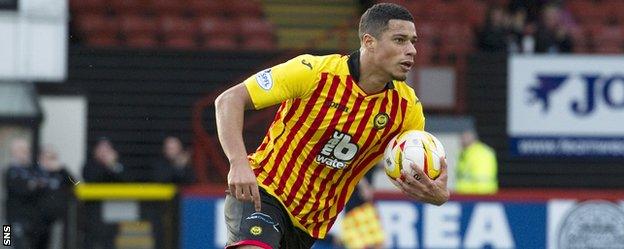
x,y
400,76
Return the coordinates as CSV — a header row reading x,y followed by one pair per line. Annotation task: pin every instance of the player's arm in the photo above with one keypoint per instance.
x,y
288,80
230,108
424,189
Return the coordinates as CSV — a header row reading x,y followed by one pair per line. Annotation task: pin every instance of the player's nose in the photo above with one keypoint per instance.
x,y
411,50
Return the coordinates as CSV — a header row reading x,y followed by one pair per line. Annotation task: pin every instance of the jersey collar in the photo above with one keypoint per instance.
x,y
354,68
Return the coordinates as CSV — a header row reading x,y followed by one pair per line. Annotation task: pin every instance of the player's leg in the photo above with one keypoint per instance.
x,y
250,229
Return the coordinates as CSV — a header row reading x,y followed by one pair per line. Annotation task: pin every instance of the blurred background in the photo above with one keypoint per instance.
x,y
108,137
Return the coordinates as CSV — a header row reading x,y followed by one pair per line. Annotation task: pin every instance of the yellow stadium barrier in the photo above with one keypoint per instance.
x,y
125,191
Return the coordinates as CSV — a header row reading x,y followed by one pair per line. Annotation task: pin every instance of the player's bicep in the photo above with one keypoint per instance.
x,y
241,93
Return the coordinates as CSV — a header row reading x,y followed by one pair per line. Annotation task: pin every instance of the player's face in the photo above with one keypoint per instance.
x,y
395,50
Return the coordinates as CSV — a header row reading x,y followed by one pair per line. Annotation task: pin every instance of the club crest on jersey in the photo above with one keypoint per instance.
x,y
265,79
380,121
338,152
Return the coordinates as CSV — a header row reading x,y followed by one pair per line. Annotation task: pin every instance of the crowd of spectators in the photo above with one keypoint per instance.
x,y
38,193
531,26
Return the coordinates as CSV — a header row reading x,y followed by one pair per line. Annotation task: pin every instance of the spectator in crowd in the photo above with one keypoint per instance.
x,y
551,35
23,190
477,167
174,166
55,195
495,35
105,165
530,7
521,32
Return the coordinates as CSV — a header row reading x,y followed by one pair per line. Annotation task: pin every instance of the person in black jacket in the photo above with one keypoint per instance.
x,y
552,36
105,165
23,189
55,195
494,36
174,166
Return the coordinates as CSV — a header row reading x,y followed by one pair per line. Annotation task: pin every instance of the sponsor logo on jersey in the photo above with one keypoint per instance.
x,y
265,79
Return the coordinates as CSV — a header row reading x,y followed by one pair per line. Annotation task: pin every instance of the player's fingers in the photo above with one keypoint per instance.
x,y
443,165
239,193
443,171
407,188
232,190
413,182
420,175
247,192
256,198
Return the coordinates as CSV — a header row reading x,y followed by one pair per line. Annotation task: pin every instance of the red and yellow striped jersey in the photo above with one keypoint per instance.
x,y
326,134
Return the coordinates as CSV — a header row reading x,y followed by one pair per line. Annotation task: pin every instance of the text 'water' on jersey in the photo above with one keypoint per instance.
x,y
326,134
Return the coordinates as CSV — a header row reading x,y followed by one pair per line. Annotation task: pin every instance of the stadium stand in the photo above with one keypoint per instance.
x,y
190,24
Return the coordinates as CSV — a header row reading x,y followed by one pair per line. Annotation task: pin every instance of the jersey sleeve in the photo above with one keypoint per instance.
x,y
289,80
416,117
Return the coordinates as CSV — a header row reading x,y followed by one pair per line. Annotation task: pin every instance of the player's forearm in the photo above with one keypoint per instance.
x,y
229,115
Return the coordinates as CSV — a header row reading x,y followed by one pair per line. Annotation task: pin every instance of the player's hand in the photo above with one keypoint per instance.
x,y
242,183
422,188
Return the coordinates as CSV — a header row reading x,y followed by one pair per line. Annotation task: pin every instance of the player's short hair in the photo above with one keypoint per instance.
x,y
375,20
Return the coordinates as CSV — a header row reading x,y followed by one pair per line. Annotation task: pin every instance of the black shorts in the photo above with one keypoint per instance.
x,y
270,228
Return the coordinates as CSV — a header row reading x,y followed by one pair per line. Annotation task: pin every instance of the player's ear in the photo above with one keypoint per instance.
x,y
369,42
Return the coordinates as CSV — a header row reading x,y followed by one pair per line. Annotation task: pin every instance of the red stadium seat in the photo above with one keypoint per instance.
x,y
424,53
168,7
474,12
180,42
139,31
135,24
427,31
616,9
88,6
441,11
244,8
581,41
417,8
255,26
457,32
204,8
589,12
609,37
220,43
261,42
212,26
141,41
101,40
100,24
177,25
178,32
130,6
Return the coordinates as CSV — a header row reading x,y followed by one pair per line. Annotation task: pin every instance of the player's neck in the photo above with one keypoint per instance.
x,y
372,79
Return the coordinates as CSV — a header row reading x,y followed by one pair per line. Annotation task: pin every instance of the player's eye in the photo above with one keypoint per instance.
x,y
399,40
